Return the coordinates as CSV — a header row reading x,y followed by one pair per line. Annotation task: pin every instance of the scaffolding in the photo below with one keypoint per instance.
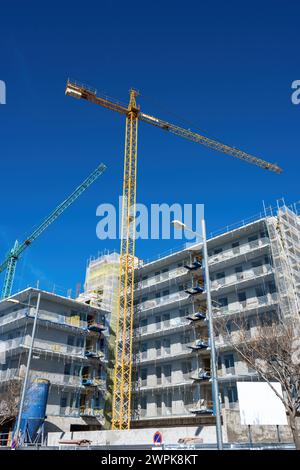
x,y
284,233
101,289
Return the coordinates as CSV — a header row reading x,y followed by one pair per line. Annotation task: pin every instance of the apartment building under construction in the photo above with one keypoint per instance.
x,y
69,351
254,270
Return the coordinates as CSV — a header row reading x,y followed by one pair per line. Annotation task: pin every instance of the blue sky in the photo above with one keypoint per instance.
x,y
225,67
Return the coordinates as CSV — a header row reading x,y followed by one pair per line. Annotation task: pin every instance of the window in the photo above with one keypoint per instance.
x,y
76,370
183,313
242,296
272,287
158,322
158,347
144,299
167,373
253,238
217,251
220,275
259,291
143,405
166,319
236,247
157,296
238,269
74,400
144,348
158,375
166,293
229,327
232,394
256,263
223,302
167,344
229,361
144,324
144,373
63,400
158,402
67,370
168,403
185,337
188,398
186,368
165,273
70,340
264,234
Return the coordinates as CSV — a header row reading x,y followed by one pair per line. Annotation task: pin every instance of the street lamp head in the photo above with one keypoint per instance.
x,y
178,224
14,301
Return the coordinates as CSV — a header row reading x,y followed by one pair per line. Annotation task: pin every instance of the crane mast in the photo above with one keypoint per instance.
x,y
121,407
10,261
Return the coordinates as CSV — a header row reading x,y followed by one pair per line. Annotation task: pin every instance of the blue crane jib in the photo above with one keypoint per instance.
x,y
11,259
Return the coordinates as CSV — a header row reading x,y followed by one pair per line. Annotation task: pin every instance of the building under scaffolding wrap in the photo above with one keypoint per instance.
x,y
101,288
69,351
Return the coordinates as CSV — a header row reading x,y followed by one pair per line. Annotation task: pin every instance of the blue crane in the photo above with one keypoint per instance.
x,y
11,259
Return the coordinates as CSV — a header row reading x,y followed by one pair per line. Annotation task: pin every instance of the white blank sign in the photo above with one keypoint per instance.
x,y
259,405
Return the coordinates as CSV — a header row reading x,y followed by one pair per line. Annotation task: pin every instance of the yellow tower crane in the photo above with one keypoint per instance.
x,y
121,406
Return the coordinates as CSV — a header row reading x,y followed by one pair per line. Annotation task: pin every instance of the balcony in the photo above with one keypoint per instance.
x,y
238,251
153,330
247,275
161,278
253,303
163,301
61,320
43,345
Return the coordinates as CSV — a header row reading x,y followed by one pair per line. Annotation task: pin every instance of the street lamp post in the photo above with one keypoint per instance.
x,y
214,372
25,382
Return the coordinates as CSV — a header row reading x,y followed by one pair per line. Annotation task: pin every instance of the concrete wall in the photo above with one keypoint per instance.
x,y
238,433
137,436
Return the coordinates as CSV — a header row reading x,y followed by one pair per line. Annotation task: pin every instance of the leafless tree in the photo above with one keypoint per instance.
x,y
9,401
272,349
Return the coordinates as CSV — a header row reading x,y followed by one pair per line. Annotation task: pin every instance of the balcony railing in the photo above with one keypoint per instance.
x,y
235,308
244,248
44,315
176,296
154,280
162,327
240,277
51,346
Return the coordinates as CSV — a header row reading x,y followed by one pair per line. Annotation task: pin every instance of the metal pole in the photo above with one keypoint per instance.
x,y
212,343
17,431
